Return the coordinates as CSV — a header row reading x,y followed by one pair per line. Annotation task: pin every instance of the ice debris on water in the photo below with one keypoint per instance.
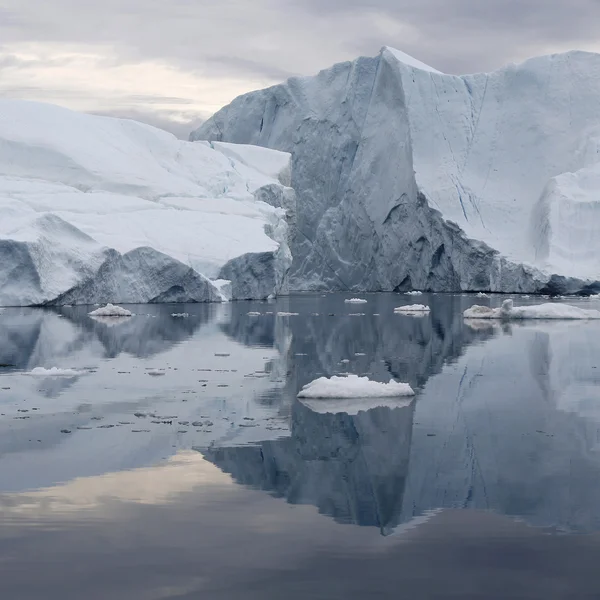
x,y
508,311
412,309
53,372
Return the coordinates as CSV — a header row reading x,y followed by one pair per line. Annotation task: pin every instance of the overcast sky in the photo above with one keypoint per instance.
x,y
174,62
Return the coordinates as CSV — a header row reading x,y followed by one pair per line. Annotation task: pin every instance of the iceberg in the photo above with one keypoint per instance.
x,y
97,210
353,387
408,178
549,311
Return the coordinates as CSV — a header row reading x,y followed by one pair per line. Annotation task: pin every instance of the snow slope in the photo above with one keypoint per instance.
x,y
409,178
78,192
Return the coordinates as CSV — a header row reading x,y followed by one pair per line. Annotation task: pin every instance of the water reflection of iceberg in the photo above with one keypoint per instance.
x,y
513,428
351,467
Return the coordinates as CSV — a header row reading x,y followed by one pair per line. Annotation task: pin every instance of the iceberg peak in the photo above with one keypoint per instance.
x,y
408,60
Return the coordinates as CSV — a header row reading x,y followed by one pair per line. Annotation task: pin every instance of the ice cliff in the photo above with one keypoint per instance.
x,y
410,178
95,209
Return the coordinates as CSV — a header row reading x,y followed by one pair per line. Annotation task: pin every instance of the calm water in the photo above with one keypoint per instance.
x,y
177,462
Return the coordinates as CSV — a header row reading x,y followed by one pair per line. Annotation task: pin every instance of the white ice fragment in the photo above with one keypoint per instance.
x,y
355,301
254,314
483,295
287,314
353,386
180,315
540,311
53,372
414,293
412,309
110,310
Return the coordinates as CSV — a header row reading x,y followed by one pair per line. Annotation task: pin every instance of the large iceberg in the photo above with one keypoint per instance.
x,y
408,178
96,209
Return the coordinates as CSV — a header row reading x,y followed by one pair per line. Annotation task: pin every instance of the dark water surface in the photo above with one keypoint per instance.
x,y
176,462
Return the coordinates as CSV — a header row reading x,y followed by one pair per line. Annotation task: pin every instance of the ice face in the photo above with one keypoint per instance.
x,y
408,178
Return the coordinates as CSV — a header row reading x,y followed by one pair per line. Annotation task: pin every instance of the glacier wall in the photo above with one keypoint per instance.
x,y
96,209
407,177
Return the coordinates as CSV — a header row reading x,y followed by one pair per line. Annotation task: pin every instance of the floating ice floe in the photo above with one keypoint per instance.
x,y
180,315
111,310
413,309
53,372
287,314
254,314
415,293
353,387
483,295
155,373
355,301
540,311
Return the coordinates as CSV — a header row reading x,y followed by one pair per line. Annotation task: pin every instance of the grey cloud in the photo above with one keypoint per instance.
x,y
265,41
461,36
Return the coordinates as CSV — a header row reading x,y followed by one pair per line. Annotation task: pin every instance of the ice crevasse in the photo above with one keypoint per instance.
x,y
408,178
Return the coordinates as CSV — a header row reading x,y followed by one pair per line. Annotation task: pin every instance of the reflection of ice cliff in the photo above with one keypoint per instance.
x,y
513,427
509,425
352,468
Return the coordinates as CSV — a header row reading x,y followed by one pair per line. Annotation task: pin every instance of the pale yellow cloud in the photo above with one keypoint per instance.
x,y
93,79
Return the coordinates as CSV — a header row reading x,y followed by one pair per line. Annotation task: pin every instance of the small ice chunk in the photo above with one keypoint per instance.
x,y
110,310
483,295
353,386
414,293
53,372
355,301
254,314
155,373
412,309
180,315
539,311
287,314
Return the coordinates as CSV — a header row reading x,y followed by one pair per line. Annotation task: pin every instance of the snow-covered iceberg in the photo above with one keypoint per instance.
x,y
353,387
97,209
408,178
549,311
